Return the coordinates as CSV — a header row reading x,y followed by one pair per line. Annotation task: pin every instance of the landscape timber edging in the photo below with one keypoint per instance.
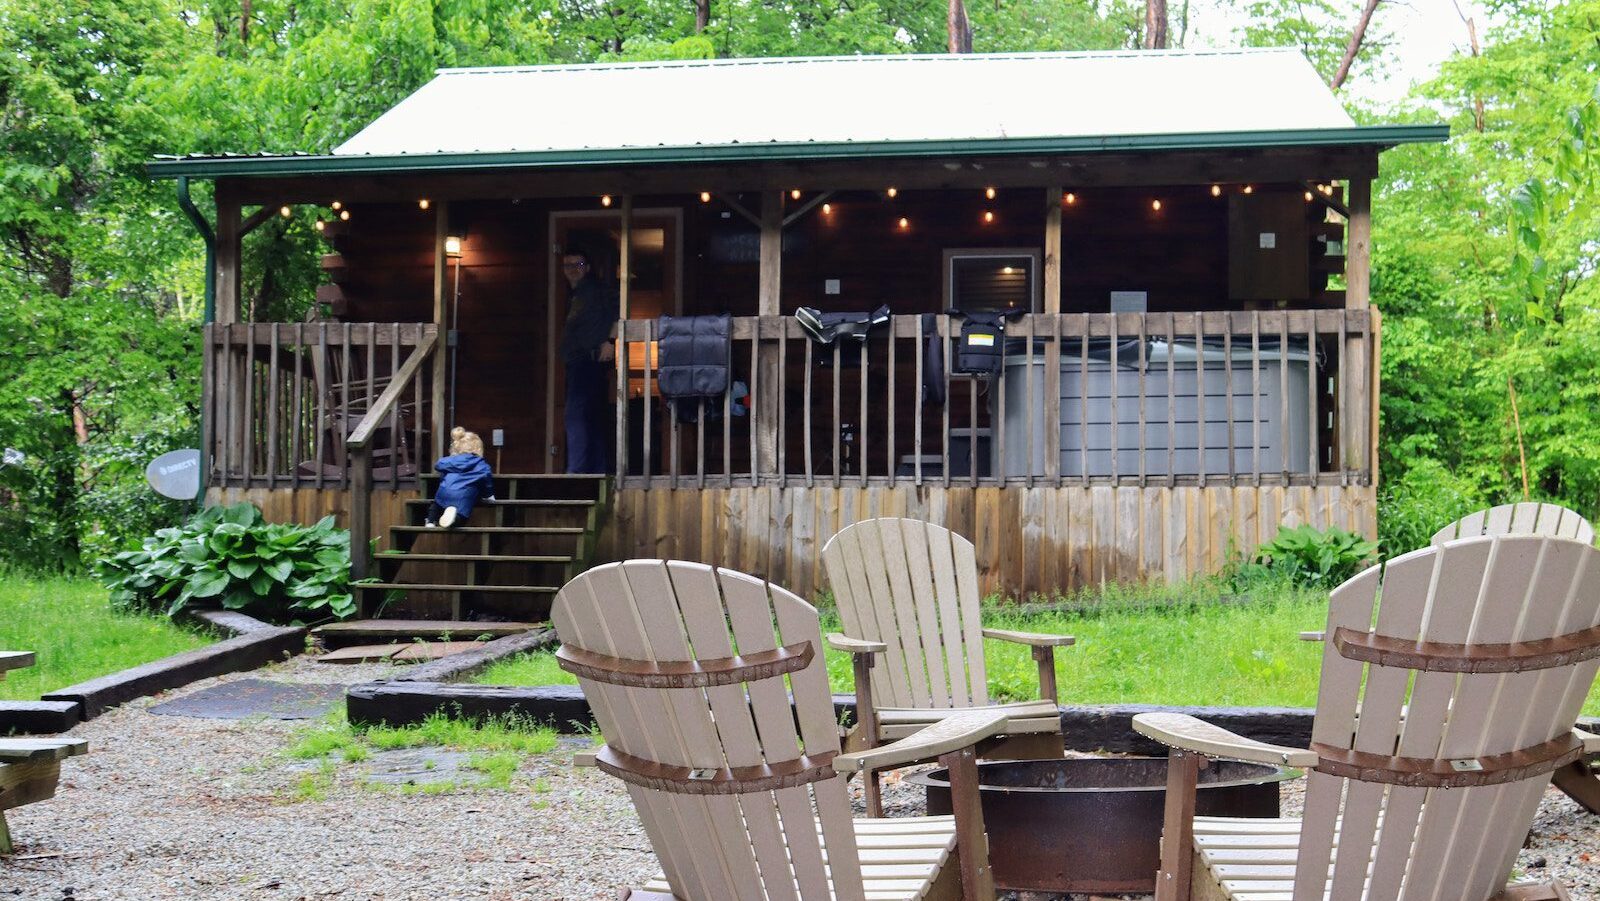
x,y
1106,728
254,644
459,666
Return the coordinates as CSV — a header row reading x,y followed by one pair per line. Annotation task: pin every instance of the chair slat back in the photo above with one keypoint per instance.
x,y
785,844
1527,518
1374,838
913,586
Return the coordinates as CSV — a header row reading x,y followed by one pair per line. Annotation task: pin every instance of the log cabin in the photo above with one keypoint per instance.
x,y
1178,242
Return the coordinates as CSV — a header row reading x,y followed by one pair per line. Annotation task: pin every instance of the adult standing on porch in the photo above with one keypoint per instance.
x,y
586,350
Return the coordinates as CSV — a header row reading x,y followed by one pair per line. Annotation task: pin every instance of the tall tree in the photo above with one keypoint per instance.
x,y
960,32
1155,24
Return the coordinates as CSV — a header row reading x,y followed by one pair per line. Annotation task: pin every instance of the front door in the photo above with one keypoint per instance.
x,y
655,286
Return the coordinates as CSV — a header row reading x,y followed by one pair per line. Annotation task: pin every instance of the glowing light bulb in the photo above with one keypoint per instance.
x,y
285,212
344,215
605,200
989,193
794,194
988,215
337,205
452,246
1216,190
319,225
1007,270
705,196
1155,205
827,209
892,191
904,222
1309,197
1249,189
423,204
1071,198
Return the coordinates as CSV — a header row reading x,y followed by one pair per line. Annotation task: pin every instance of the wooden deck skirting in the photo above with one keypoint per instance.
x,y
1029,540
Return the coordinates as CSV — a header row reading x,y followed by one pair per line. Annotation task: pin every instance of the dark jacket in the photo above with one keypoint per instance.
x,y
695,353
467,480
591,311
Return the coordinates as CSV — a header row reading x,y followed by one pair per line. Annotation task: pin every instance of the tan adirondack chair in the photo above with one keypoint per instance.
x,y
1437,730
907,591
738,777
1520,519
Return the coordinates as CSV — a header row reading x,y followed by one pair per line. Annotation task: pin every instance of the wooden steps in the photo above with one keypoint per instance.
x,y
387,631
507,561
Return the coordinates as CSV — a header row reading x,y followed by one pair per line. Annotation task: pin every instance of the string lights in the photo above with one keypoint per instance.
x,y
988,215
605,200
319,225
1155,205
904,222
1071,198
1249,189
344,215
988,193
285,212
892,192
827,209
705,196
423,204
337,205
794,194
1216,190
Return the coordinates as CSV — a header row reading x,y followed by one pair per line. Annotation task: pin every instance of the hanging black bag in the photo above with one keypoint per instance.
x,y
980,344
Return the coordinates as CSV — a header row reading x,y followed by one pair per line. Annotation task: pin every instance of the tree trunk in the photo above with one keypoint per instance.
x,y
244,22
702,15
1155,24
1354,47
959,29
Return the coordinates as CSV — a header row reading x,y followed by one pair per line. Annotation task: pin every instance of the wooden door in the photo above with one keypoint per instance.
x,y
655,285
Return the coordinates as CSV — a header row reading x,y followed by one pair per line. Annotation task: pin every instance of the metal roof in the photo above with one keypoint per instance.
x,y
841,107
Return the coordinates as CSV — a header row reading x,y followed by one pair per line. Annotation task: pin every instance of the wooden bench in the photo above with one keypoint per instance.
x,y
29,771
10,660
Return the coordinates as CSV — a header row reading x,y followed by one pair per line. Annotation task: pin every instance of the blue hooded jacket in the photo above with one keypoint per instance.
x,y
467,480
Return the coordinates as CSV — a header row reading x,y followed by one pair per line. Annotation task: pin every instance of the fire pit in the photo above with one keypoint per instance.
x,y
1093,824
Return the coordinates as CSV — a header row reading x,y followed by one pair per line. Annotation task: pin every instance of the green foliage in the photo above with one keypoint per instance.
x,y
230,557
1307,557
1420,503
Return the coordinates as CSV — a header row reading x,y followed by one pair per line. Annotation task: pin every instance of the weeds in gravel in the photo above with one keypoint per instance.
x,y
496,750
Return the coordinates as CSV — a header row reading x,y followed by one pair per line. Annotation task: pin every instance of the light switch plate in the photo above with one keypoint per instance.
x,y
1269,240
830,286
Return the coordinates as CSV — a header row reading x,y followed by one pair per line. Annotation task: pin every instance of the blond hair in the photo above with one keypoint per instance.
x,y
465,442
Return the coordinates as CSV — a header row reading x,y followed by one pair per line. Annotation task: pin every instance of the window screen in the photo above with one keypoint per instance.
x,y
983,282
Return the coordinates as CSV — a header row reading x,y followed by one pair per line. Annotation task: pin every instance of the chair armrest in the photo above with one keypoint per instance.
x,y
1313,636
952,733
850,645
1033,639
1591,742
1177,730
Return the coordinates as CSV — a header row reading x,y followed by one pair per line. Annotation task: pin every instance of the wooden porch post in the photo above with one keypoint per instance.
x,y
1052,309
441,264
232,368
1359,439
624,291
768,405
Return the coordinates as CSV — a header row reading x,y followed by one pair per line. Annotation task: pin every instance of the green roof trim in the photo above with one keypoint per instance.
x,y
306,164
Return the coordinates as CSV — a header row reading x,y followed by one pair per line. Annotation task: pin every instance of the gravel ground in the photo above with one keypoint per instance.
x,y
169,807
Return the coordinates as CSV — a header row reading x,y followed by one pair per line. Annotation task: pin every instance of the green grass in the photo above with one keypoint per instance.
x,y
69,624
1133,648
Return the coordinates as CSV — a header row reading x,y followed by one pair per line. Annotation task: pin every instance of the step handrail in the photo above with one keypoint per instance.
x,y
361,455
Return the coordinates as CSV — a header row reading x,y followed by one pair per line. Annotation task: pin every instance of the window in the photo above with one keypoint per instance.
x,y
990,280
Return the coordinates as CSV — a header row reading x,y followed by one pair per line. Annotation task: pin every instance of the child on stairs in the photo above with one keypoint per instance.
x,y
466,480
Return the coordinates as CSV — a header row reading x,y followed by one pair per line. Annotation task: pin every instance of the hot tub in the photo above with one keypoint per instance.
x,y
1093,824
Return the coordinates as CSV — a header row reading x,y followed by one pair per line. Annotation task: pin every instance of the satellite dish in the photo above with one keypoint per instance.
x,y
175,475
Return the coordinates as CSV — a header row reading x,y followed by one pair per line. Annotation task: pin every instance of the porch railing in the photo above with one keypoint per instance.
x,y
284,401
1143,399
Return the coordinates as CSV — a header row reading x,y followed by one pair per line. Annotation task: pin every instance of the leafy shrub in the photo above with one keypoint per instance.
x,y
1425,499
230,556
1307,557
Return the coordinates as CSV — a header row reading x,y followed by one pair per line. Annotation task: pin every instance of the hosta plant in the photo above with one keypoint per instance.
x,y
230,557
1307,557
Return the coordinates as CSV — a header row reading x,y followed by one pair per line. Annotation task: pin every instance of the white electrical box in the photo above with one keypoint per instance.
x,y
498,438
830,286
1130,301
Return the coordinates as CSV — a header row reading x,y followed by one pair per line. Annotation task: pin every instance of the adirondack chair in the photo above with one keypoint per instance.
x,y
1520,519
737,777
908,590
29,771
1437,730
